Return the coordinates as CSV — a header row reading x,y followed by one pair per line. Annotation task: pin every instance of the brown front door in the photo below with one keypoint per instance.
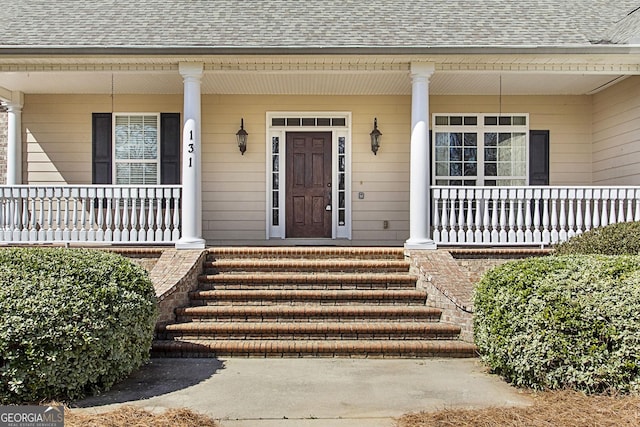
x,y
308,184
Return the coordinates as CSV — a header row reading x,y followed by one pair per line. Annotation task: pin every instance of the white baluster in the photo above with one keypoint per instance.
x,y
100,215
470,196
134,217
91,235
50,228
41,227
126,237
142,234
520,217
58,218
479,212
629,196
495,197
82,236
66,232
554,216
596,209
528,219
546,232
151,215
24,196
604,217
511,232
537,232
33,227
580,200
486,217
159,215
571,218
461,216
452,216
436,215
562,234
117,231
588,215
636,217
108,219
74,219
445,216
503,216
167,216
621,197
175,234
612,207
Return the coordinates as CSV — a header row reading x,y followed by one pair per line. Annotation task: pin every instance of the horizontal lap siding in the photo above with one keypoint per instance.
x,y
616,134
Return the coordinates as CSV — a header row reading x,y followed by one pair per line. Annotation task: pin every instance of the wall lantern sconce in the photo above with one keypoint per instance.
x,y
242,135
375,137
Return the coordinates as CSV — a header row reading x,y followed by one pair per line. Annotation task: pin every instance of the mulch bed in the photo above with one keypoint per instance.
x,y
549,409
129,416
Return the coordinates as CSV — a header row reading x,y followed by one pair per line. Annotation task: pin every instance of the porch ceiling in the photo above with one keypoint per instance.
x,y
317,75
305,83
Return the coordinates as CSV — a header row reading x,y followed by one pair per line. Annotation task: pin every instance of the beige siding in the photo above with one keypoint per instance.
x,y
616,134
58,150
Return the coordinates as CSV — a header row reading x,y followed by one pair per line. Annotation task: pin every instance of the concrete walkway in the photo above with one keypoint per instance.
x,y
308,392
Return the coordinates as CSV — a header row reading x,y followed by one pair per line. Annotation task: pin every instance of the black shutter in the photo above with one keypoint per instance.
x,y
539,157
101,148
170,130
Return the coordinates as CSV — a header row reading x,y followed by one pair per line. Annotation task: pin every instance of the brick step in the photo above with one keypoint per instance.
x,y
315,348
309,281
309,252
299,265
307,313
309,330
322,297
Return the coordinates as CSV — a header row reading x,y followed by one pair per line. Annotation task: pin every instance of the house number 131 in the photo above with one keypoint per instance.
x,y
190,148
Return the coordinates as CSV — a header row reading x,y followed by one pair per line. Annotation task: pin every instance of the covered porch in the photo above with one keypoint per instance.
x,y
225,197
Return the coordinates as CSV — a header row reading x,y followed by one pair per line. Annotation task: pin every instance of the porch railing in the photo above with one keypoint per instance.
x,y
494,216
90,213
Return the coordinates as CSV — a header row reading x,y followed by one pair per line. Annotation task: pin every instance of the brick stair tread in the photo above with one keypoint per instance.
x,y
347,265
309,295
374,348
307,252
264,277
308,310
307,327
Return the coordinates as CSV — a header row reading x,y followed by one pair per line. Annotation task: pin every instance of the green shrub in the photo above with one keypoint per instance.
x,y
72,322
614,239
562,322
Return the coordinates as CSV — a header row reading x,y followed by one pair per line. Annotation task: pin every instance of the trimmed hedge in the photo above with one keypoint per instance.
x,y
614,239
562,322
72,322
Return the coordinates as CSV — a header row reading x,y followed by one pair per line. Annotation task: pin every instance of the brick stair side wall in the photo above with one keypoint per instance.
x,y
174,275
447,286
450,276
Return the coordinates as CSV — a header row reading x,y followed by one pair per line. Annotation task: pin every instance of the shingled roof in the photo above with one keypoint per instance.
x,y
303,24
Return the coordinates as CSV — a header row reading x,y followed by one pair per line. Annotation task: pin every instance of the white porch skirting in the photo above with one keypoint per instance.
x,y
92,213
507,216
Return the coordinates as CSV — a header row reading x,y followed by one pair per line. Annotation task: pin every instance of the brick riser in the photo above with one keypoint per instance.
x,y
296,302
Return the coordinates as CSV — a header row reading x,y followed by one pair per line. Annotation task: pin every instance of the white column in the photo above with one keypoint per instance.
x,y
191,160
420,166
14,139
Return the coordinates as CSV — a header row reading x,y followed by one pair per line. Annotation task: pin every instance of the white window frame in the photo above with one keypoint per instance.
x,y
480,129
114,158
339,231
